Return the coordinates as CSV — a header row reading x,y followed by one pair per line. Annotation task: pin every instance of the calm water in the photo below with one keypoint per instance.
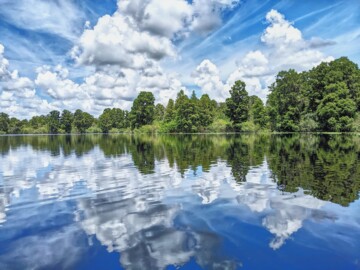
x,y
180,202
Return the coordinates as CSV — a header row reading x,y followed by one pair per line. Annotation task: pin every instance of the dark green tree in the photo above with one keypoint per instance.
x,y
206,108
4,123
186,114
336,110
82,120
143,110
169,111
159,112
66,120
238,105
257,111
53,119
105,121
285,101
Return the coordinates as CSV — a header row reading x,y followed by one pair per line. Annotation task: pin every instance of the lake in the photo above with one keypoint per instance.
x,y
180,202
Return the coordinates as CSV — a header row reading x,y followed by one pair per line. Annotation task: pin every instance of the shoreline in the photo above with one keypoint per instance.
x,y
182,133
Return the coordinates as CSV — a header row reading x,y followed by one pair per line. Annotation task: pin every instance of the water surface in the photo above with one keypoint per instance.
x,y
180,202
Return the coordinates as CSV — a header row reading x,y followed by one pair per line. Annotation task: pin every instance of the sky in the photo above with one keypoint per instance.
x,y
96,54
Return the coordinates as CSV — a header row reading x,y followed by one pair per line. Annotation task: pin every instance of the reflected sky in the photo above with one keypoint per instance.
x,y
193,202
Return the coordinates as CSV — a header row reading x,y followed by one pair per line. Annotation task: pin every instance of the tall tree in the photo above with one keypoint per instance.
x,y
187,117
169,111
143,109
159,112
206,110
54,122
285,101
336,110
257,112
238,104
66,120
105,121
82,120
4,123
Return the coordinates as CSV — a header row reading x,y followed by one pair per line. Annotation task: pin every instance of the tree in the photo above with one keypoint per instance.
x,y
66,120
336,110
53,122
159,112
4,123
142,111
105,121
238,104
186,114
82,120
169,111
206,110
15,125
285,101
257,111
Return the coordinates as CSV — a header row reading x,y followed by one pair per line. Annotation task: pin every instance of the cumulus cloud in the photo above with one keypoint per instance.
x,y
56,83
207,77
17,94
283,48
207,14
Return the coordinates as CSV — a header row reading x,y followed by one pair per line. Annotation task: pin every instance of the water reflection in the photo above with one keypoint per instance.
x,y
171,200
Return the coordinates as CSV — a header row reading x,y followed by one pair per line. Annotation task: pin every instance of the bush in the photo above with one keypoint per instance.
x,y
249,126
168,127
308,123
147,129
219,125
94,129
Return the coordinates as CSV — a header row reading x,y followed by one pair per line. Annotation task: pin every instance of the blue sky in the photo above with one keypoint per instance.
x,y
91,55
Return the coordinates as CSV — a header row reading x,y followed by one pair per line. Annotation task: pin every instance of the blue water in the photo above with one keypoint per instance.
x,y
120,208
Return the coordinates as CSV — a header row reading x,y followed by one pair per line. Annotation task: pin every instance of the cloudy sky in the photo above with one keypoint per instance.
x,y
70,54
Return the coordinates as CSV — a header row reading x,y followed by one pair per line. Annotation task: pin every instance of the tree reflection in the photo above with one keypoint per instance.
x,y
325,166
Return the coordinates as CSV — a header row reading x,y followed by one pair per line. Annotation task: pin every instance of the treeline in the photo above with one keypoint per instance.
x,y
326,98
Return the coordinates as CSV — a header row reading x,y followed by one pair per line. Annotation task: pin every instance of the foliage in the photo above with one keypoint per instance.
x,y
143,110
238,105
54,122
66,121
4,123
82,120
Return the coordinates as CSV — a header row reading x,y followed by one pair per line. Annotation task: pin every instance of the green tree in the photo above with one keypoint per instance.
x,y
105,121
82,120
143,109
15,125
285,102
170,111
257,112
4,123
186,115
237,106
159,112
66,120
336,110
53,122
207,109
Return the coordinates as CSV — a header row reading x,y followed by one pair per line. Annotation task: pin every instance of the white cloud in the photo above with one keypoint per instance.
x,y
207,14
115,40
17,94
283,48
56,83
207,77
280,32
4,64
